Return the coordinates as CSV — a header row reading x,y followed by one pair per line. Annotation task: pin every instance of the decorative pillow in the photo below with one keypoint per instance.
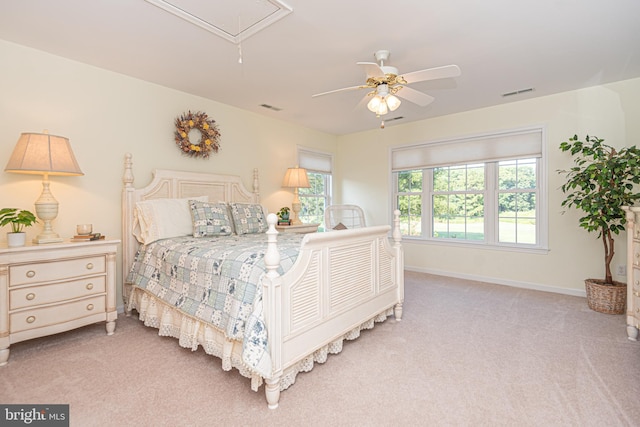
x,y
248,218
233,227
210,219
340,226
163,218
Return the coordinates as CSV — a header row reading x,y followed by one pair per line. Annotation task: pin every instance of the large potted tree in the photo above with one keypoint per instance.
x,y
601,181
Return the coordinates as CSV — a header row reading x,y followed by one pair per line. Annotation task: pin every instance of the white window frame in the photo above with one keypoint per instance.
x,y
404,155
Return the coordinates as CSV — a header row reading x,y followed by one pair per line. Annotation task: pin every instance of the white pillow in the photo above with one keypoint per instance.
x,y
163,218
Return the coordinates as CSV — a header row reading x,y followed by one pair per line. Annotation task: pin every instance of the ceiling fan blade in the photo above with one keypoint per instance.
x,y
363,102
340,90
372,69
432,74
412,95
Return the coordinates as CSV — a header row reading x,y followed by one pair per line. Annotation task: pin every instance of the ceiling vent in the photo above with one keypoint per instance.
x,y
270,107
518,92
234,20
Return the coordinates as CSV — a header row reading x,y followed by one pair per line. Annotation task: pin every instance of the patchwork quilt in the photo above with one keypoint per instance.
x,y
217,280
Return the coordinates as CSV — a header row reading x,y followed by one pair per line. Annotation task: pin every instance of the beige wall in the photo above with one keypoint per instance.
x,y
106,115
611,112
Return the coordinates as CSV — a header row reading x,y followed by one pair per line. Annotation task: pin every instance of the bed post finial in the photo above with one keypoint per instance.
x,y
127,177
256,185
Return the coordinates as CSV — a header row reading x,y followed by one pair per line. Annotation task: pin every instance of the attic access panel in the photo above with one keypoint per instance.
x,y
233,20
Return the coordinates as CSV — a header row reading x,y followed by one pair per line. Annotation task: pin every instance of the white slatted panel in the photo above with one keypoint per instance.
x,y
352,280
386,267
305,297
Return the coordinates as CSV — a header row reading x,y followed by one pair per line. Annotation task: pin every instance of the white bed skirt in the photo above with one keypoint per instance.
x,y
192,333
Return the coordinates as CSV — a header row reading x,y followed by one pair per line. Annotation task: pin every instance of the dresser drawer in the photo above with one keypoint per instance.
x,y
23,274
45,316
46,294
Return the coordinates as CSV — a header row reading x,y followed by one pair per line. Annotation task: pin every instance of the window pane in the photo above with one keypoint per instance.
x,y
507,178
519,174
416,181
410,208
457,178
404,182
441,179
410,181
315,198
475,177
527,174
527,231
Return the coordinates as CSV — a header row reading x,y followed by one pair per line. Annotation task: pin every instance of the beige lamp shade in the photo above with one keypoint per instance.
x,y
44,154
296,178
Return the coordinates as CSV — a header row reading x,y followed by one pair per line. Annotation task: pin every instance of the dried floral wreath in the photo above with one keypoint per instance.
x,y
209,134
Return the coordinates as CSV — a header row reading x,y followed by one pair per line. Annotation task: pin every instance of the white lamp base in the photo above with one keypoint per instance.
x,y
47,211
296,207
43,239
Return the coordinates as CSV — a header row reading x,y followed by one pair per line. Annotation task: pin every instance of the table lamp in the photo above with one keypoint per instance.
x,y
296,178
44,154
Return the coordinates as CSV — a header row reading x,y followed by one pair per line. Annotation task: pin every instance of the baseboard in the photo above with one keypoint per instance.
x,y
497,281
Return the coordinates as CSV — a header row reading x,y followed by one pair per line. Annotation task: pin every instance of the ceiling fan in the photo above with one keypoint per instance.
x,y
386,83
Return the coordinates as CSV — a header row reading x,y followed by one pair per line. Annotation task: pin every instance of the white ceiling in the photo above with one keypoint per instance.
x,y
500,45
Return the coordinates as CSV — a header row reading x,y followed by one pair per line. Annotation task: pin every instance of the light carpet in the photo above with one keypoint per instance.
x,y
465,353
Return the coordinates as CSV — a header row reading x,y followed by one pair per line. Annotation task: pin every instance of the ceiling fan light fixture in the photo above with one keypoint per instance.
x,y
393,102
382,108
374,104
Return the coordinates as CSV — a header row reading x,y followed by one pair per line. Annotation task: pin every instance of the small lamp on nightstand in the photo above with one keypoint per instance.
x,y
44,154
296,178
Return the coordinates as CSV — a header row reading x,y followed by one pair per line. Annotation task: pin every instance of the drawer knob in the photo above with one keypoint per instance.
x,y
89,307
31,319
31,296
90,266
31,273
89,286
637,294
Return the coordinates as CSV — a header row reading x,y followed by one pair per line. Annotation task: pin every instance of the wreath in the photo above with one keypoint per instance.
x,y
209,134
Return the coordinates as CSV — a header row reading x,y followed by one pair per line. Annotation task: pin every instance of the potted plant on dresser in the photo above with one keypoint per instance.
x,y
600,183
19,219
283,216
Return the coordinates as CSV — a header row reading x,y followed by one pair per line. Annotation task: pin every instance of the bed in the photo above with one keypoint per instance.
x,y
302,295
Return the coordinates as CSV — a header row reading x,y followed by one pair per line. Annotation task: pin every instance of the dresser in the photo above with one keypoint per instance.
x,y
633,271
51,288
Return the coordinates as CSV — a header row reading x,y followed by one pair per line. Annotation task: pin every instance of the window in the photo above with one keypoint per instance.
x,y
458,202
315,198
482,190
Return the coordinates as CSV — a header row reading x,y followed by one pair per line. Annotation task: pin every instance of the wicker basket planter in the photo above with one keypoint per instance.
x,y
608,299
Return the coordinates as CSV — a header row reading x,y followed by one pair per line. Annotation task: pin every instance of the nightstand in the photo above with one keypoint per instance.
x,y
299,229
51,288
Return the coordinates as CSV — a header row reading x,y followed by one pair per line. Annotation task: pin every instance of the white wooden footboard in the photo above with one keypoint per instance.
x,y
341,280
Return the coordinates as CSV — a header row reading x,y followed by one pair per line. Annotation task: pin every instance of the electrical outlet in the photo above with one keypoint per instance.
x,y
622,270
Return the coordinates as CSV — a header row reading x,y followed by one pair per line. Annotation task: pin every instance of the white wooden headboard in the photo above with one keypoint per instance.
x,y
176,184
